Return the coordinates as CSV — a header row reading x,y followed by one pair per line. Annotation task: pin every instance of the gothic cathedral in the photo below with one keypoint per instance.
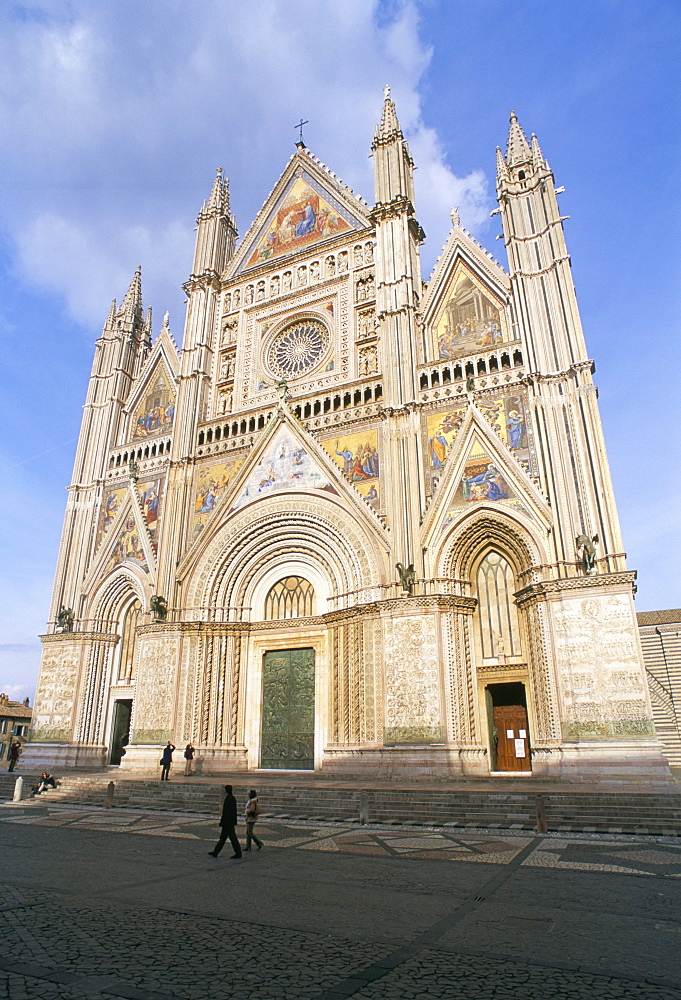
x,y
360,523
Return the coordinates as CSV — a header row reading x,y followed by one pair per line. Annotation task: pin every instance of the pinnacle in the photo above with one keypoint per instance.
x,y
132,303
390,126
537,155
518,150
502,169
219,196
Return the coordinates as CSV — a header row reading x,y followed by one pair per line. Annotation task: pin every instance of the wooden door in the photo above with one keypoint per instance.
x,y
288,709
513,747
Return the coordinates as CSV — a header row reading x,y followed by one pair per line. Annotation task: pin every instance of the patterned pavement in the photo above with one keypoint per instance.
x,y
99,904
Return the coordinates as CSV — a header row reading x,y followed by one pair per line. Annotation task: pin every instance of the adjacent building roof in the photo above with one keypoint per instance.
x,y
669,616
14,709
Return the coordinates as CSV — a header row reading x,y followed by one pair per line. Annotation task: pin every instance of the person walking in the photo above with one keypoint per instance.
x,y
166,761
188,760
13,754
228,824
252,812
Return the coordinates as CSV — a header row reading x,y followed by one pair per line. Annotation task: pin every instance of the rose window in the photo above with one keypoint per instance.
x,y
297,348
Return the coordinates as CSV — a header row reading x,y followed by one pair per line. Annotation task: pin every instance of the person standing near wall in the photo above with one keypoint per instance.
x,y
166,761
13,754
188,760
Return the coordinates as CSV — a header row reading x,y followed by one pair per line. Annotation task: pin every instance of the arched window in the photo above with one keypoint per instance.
x,y
497,613
126,662
292,597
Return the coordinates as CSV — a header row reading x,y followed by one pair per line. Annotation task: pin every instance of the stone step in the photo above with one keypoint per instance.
x,y
575,812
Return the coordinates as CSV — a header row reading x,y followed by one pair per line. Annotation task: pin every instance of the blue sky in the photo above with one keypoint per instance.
x,y
114,117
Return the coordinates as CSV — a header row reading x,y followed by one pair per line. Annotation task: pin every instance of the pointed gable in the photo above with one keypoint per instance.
x,y
465,305
155,410
128,547
286,465
308,206
481,466
151,404
128,528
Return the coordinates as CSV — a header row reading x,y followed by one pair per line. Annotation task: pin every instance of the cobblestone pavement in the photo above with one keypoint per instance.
x,y
100,904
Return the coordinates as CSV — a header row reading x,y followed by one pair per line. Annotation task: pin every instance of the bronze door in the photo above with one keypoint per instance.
x,y
513,747
288,709
120,730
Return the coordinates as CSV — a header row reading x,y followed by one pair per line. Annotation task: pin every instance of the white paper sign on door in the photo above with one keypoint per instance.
x,y
509,734
520,748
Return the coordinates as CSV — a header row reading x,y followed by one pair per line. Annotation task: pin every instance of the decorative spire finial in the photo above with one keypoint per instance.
x,y
455,217
386,92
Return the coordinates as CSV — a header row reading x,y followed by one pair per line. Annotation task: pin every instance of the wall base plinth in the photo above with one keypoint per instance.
x,y
207,760
54,756
617,760
407,762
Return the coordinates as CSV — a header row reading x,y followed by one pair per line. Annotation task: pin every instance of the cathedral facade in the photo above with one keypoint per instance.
x,y
360,522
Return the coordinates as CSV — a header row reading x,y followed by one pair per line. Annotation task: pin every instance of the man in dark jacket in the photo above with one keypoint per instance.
x,y
228,822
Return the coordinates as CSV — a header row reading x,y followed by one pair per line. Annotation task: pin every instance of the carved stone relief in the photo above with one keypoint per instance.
x,y
366,324
153,722
412,684
603,686
368,361
55,697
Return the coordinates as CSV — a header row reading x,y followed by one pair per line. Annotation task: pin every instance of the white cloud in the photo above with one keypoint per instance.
x,y
118,114
86,266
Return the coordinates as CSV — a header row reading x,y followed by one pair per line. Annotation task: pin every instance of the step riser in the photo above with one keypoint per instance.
x,y
649,812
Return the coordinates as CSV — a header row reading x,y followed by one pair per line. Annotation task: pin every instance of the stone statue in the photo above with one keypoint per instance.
x,y
133,468
588,553
226,401
159,608
65,619
407,577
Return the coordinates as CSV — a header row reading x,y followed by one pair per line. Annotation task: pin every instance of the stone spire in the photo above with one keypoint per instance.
x,y
502,169
393,165
518,149
216,235
218,203
537,155
110,319
147,329
389,128
131,306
